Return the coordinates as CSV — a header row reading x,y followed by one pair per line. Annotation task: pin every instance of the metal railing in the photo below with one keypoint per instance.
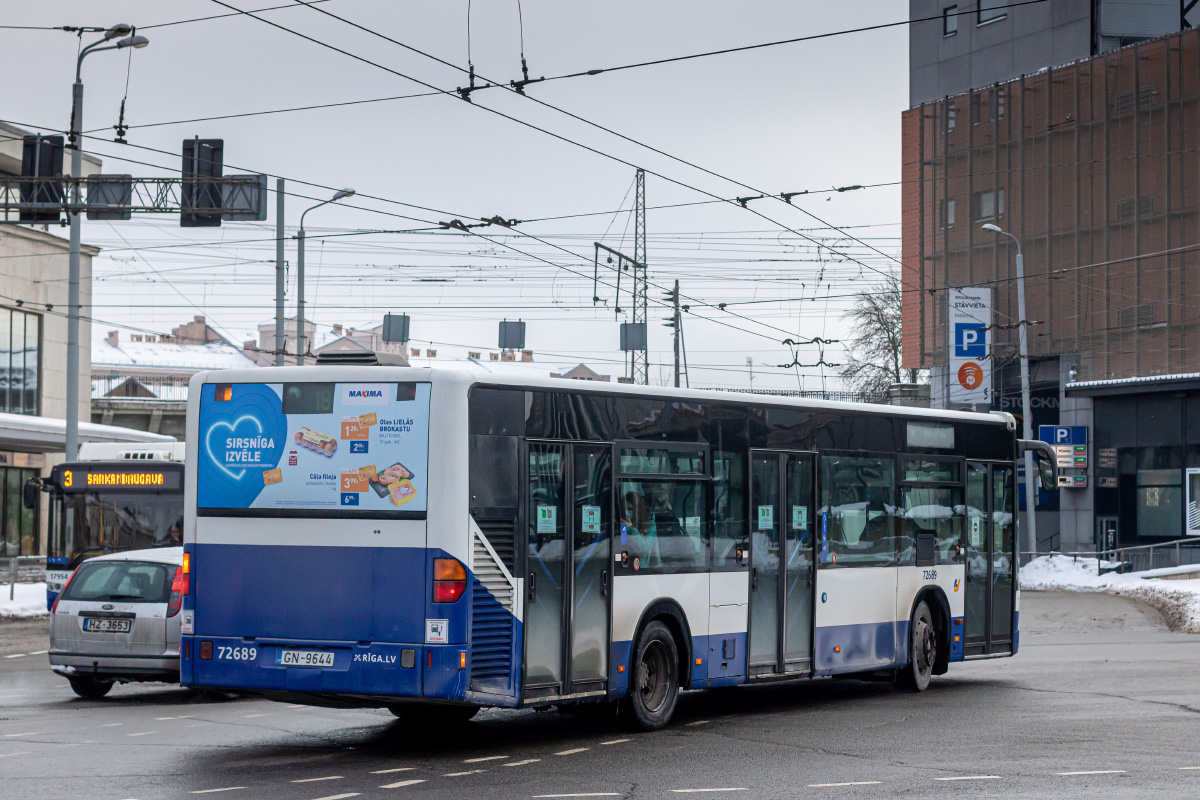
x,y
146,387
22,569
1135,558
846,397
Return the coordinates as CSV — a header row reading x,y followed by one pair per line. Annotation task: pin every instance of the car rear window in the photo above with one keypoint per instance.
x,y
121,582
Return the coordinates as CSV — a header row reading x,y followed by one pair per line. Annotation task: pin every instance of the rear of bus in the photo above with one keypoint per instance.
x,y
309,498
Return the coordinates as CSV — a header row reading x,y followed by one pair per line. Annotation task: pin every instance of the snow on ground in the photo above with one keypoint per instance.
x,y
1177,600
29,601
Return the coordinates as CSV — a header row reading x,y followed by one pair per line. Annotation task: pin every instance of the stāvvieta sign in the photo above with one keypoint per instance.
x,y
970,364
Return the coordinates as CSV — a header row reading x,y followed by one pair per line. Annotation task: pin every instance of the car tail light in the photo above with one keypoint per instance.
x,y
177,591
63,591
449,580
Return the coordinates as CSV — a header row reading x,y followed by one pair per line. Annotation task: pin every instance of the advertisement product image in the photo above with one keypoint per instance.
x,y
314,446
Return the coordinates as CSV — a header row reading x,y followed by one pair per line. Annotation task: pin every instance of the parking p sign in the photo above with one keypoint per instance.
x,y
969,368
970,340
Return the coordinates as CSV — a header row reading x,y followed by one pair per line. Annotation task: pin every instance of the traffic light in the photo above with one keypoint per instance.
x,y
202,158
42,157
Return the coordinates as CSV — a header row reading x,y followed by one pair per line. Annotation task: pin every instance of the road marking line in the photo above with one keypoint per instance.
x,y
314,780
971,778
572,751
582,794
483,758
26,752
726,789
401,784
847,783
225,789
339,796
1189,767
39,652
294,705
31,733
252,716
143,733
113,725
697,722
1094,772
522,763
615,741
468,772
397,769
164,719
17,655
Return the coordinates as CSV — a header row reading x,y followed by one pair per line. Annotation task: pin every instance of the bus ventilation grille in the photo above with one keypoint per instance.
x,y
493,625
502,536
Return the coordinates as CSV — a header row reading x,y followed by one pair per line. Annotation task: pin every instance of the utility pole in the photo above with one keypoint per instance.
x,y
675,324
280,278
641,363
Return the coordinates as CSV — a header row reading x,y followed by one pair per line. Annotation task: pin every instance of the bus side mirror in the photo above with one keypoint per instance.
x,y
29,495
1046,472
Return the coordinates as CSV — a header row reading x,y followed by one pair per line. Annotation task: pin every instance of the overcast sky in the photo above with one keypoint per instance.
x,y
805,116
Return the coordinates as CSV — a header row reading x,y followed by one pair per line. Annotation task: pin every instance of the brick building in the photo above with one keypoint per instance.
x,y
1093,166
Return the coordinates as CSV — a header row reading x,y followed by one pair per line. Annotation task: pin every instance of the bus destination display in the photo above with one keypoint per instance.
x,y
100,478
353,446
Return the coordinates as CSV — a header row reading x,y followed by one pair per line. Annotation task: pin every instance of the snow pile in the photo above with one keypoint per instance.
x,y
1177,600
29,601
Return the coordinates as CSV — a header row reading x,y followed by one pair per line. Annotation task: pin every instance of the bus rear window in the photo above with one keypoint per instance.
x,y
300,447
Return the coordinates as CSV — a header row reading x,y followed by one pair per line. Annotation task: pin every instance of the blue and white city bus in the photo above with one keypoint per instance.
x,y
437,540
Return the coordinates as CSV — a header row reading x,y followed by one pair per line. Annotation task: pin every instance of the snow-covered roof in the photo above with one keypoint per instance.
x,y
1134,381
168,355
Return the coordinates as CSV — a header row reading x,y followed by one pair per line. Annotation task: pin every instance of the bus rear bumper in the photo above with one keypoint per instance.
x,y
398,670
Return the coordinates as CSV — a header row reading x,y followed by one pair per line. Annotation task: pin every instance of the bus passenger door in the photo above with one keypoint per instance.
x,y
990,556
569,529
781,563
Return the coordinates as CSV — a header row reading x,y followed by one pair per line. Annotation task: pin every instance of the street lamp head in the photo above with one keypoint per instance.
x,y
136,42
120,29
987,226
342,193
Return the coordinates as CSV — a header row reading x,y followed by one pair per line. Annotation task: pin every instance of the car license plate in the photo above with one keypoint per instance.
x,y
103,625
304,658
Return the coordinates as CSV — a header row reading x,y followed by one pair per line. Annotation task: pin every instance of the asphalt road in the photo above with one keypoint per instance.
x,y
1102,701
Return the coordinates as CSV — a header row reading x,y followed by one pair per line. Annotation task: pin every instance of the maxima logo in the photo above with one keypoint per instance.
x,y
364,394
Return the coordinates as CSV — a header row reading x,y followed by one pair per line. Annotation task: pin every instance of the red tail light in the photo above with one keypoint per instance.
x,y
63,591
178,590
449,580
187,573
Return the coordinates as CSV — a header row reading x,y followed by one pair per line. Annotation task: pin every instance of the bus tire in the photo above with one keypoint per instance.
x,y
432,714
654,678
922,650
90,688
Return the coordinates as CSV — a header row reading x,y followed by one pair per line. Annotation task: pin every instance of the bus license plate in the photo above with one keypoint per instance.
x,y
99,625
304,658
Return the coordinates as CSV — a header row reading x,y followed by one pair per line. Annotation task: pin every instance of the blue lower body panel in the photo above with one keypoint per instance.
x,y
869,646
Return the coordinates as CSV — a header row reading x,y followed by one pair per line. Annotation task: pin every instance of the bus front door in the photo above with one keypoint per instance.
x,y
568,546
991,556
782,563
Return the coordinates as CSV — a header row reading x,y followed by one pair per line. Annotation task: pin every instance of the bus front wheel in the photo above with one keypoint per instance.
x,y
922,650
654,682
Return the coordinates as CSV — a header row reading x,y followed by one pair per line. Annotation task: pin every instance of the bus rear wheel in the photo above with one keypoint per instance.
x,y
922,650
654,680
90,688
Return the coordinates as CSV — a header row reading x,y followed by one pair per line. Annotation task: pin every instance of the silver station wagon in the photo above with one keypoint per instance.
x,y
117,620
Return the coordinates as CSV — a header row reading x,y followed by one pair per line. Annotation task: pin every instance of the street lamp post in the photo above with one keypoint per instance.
x,y
343,193
1031,486
76,136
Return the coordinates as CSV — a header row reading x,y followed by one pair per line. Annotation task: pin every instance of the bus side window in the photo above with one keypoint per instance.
x,y
729,508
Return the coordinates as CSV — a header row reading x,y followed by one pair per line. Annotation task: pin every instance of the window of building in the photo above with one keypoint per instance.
x,y
858,511
948,213
989,204
1140,208
998,100
949,20
976,109
1160,503
20,361
950,115
991,10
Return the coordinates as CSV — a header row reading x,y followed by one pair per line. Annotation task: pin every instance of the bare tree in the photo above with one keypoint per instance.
x,y
873,352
